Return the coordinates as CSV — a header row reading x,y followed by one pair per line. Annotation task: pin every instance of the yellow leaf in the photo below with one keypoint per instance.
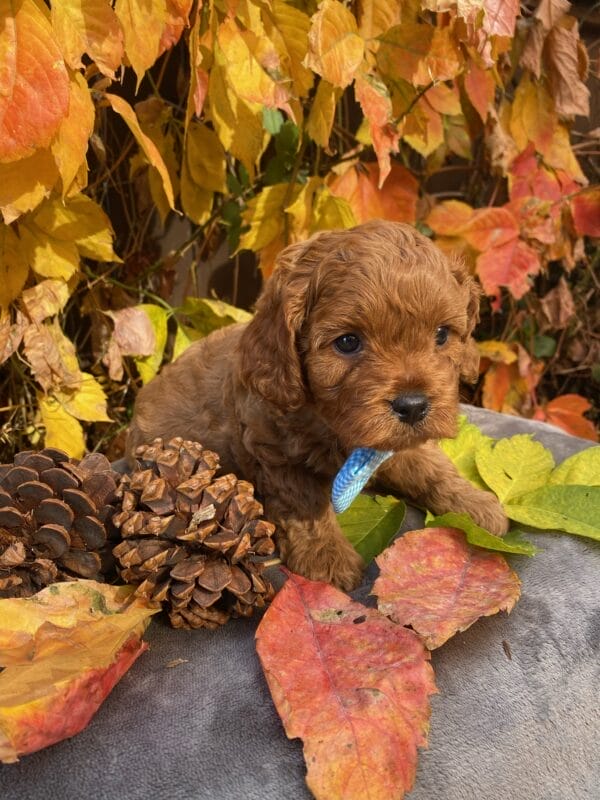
x,y
14,267
444,60
24,184
292,25
265,213
206,158
377,16
82,221
48,256
497,351
63,431
183,339
207,315
71,143
143,22
149,148
148,366
246,57
154,114
301,209
423,129
92,27
533,117
335,48
332,212
45,299
196,202
238,124
34,86
87,403
322,112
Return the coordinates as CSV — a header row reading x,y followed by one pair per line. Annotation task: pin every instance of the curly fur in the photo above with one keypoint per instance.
x,y
284,408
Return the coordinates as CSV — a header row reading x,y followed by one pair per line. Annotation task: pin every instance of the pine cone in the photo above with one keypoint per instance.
x,y
54,516
189,538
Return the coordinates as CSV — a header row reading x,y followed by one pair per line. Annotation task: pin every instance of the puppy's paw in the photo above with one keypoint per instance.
x,y
329,560
487,511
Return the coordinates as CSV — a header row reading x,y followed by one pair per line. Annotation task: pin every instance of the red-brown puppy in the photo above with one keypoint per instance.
x,y
359,340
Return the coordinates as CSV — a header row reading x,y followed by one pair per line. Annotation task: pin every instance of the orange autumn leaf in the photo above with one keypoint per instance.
x,y
177,20
335,50
434,581
352,685
480,87
63,651
396,200
403,50
510,265
34,85
567,412
376,105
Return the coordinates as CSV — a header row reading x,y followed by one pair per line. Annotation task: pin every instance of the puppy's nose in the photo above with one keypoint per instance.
x,y
411,408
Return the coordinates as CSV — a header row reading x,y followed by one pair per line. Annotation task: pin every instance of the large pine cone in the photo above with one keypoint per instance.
x,y
54,520
189,538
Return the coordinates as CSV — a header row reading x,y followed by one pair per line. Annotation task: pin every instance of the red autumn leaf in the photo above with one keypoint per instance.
x,y
500,17
509,265
353,685
178,12
585,208
433,580
396,200
480,87
376,104
567,412
34,85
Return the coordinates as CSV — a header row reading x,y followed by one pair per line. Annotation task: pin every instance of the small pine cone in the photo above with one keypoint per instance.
x,y
189,538
55,520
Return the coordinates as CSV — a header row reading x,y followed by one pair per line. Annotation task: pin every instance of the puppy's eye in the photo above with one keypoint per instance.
x,y
347,344
441,335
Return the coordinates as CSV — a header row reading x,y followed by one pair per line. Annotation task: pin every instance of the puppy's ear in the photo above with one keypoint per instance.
x,y
469,367
269,359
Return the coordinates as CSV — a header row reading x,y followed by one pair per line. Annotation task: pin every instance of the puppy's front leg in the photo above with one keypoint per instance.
x,y
311,542
427,476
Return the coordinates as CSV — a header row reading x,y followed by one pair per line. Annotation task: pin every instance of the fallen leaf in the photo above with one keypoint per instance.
x,y
63,650
574,509
462,448
370,523
581,469
34,85
434,581
514,466
476,535
351,684
567,412
335,50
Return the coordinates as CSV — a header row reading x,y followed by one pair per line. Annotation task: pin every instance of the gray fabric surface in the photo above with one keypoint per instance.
x,y
525,728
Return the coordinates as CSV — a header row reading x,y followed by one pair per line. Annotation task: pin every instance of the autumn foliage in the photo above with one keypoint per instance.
x,y
226,126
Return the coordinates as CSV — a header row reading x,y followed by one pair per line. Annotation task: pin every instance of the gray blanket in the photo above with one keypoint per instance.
x,y
517,717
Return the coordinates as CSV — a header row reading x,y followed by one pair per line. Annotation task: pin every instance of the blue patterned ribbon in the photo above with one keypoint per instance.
x,y
356,471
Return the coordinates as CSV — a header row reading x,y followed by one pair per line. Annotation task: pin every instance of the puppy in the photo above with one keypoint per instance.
x,y
359,339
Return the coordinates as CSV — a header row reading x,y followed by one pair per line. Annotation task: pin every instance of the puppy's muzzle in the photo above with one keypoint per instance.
x,y
411,407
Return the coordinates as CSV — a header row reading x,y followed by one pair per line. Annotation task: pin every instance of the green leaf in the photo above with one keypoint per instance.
x,y
148,366
543,346
272,120
461,450
582,469
574,509
510,543
371,523
207,315
514,466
